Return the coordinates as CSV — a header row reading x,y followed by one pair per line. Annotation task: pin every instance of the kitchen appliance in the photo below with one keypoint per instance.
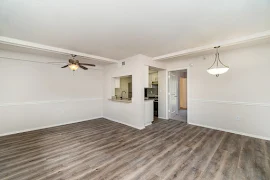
x,y
152,93
156,107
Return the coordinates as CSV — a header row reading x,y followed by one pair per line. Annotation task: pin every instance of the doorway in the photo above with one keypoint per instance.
x,y
177,95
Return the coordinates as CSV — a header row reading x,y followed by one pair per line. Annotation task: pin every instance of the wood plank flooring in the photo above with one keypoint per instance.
x,y
102,149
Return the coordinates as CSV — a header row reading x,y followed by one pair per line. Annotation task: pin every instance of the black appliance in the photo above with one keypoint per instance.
x,y
156,108
151,93
145,92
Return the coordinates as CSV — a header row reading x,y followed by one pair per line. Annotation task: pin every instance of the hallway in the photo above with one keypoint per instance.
x,y
181,116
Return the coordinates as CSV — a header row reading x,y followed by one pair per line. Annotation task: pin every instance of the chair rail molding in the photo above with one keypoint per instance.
x,y
47,102
231,102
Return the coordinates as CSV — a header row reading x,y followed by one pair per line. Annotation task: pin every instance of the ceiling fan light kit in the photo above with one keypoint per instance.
x,y
75,64
217,67
73,67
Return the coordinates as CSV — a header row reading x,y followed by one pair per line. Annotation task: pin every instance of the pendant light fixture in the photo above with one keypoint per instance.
x,y
217,67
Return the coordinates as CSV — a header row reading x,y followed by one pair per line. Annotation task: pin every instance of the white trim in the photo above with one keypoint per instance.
x,y
162,118
167,93
41,47
127,124
242,40
44,127
47,102
230,131
148,124
44,62
231,102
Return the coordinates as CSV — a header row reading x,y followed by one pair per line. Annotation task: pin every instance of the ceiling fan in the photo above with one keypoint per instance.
x,y
75,64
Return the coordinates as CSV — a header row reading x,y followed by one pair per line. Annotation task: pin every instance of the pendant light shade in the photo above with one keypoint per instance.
x,y
216,71
217,67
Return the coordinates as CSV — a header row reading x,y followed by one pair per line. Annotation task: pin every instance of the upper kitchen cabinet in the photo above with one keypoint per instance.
x,y
153,78
116,82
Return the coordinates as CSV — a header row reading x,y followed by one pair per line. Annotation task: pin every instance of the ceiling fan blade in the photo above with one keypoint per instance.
x,y
88,64
84,68
64,66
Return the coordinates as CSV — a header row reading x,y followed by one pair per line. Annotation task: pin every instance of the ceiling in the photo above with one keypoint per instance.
x,y
119,28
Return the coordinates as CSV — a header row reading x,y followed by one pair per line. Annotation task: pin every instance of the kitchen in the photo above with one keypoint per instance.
x,y
151,92
123,91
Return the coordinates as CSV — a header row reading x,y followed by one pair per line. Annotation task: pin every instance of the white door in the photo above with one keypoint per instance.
x,y
173,94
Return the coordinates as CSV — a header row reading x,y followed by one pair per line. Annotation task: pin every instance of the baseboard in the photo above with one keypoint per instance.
x,y
162,118
148,124
136,127
60,124
44,127
230,131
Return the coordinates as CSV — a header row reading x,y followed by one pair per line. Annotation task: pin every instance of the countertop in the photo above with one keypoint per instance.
x,y
148,99
121,100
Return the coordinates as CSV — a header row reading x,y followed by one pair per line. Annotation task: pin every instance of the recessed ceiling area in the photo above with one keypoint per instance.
x,y
118,29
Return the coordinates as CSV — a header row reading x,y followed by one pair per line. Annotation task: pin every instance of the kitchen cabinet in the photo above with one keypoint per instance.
x,y
117,82
150,81
148,112
153,77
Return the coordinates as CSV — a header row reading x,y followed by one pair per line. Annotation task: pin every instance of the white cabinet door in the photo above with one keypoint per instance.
x,y
148,112
116,82
154,77
150,80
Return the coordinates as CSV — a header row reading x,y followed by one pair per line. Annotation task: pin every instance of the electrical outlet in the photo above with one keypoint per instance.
x,y
237,118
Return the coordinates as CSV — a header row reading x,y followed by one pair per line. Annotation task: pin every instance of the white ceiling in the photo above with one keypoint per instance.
x,y
121,28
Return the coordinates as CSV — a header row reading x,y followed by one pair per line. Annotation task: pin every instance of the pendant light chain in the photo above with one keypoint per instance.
x,y
220,61
214,62
217,55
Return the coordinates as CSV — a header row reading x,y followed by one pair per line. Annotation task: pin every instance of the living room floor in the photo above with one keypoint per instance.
x,y
102,149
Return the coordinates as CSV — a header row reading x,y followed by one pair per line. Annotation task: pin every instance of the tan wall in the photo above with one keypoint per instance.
x,y
183,93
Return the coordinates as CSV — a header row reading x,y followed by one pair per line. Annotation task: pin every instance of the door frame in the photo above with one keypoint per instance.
x,y
188,91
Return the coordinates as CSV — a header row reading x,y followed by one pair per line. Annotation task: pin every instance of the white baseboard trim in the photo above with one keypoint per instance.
x,y
44,127
231,131
127,124
148,124
162,118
